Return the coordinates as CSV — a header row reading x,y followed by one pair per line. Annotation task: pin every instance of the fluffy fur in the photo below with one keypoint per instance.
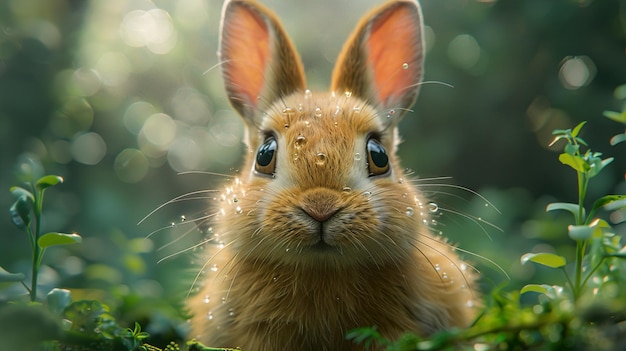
x,y
321,245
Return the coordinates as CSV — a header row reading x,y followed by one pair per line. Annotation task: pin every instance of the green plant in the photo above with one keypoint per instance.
x,y
26,214
587,229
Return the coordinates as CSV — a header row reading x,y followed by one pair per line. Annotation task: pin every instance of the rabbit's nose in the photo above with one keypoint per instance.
x,y
320,204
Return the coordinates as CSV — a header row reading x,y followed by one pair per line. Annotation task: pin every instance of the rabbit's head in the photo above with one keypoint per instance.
x,y
322,184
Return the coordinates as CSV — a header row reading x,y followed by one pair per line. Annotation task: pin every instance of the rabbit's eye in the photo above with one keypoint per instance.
x,y
266,157
377,159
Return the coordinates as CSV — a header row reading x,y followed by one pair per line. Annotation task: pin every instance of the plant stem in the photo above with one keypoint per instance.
x,y
36,249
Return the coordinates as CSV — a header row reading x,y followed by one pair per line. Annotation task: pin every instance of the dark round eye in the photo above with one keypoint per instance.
x,y
266,157
377,159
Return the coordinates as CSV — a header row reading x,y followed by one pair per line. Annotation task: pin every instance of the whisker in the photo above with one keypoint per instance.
x,y
184,250
184,197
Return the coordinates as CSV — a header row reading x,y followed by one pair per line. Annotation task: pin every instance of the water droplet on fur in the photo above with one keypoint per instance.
x,y
469,303
409,211
209,316
214,268
307,94
318,112
307,124
231,312
367,193
392,112
223,300
337,110
286,125
346,189
238,210
300,108
296,156
437,267
444,275
433,207
299,142
287,250
288,111
348,94
206,299
320,159
433,221
401,181
172,224
356,109
183,218
274,279
425,221
405,66
463,267
357,156
332,94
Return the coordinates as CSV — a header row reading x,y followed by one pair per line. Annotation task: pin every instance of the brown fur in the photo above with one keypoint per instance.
x,y
286,280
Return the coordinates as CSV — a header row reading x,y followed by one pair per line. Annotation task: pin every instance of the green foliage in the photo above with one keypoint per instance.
x,y
26,213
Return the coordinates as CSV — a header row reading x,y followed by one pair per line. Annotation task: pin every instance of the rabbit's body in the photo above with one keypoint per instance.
x,y
322,234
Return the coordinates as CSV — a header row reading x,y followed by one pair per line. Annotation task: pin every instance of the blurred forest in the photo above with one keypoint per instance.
x,y
120,97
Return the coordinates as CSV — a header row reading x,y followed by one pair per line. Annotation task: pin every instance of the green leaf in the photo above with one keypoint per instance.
x,y
616,116
577,129
612,202
565,206
20,212
577,163
53,239
10,277
619,138
580,232
542,289
48,181
19,192
597,165
545,259
58,300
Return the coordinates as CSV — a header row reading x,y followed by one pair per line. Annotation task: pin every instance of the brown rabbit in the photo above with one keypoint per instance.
x,y
321,234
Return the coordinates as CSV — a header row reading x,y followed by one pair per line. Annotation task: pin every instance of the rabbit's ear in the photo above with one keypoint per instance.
x,y
259,62
382,61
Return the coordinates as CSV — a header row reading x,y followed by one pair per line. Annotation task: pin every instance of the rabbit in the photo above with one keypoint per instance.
x,y
320,234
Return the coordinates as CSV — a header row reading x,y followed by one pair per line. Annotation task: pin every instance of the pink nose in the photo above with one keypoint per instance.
x,y
320,204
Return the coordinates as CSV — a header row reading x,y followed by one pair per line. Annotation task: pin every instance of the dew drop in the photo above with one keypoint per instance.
x,y
307,94
287,250
356,109
444,275
346,189
206,299
288,111
209,316
223,300
425,221
172,224
405,66
231,312
409,211
318,112
296,156
299,142
469,303
463,267
214,268
392,112
300,108
433,222
307,123
401,181
367,193
337,110
286,126
357,157
433,207
348,94
437,267
320,159
183,218
238,210
274,279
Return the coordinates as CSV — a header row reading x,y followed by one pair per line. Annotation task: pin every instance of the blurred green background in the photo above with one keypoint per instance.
x,y
119,97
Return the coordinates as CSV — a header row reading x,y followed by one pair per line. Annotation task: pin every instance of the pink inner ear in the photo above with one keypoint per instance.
x,y
246,50
394,53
